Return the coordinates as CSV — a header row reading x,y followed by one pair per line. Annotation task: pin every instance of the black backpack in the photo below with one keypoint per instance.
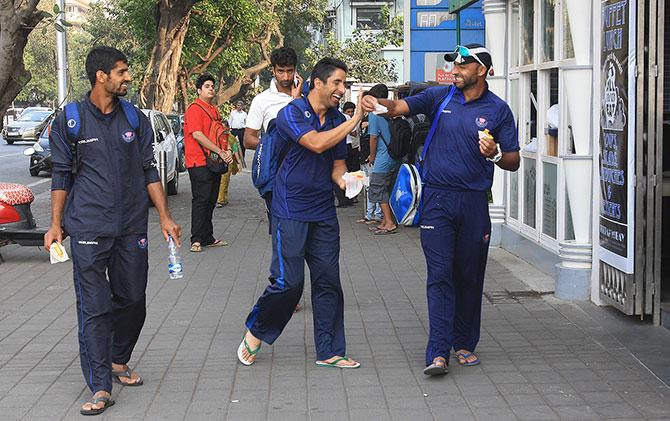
x,y
401,138
420,127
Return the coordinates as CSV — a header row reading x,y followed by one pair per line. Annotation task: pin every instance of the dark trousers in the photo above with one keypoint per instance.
x,y
455,231
110,313
239,134
268,209
293,244
205,190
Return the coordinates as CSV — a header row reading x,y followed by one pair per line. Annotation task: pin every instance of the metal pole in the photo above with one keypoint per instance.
x,y
61,48
458,28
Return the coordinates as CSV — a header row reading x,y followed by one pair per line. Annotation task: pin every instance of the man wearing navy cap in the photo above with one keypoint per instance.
x,y
475,131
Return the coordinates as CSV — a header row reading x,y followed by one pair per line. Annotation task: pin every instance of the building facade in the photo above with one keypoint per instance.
x,y
77,10
587,82
431,30
345,16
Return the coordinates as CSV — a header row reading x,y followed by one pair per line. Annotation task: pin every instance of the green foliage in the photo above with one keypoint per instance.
x,y
363,51
40,60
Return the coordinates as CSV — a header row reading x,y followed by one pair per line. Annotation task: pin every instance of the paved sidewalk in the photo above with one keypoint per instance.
x,y
542,358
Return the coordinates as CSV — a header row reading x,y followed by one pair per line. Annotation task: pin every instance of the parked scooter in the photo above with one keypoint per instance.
x,y
17,225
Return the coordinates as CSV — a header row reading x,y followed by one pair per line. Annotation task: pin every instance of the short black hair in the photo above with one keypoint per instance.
x,y
225,123
102,58
283,56
348,105
379,91
324,68
204,78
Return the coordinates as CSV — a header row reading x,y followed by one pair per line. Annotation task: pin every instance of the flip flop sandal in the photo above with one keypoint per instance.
x,y
218,243
385,232
107,401
373,229
463,358
196,248
251,353
363,221
436,369
127,373
335,364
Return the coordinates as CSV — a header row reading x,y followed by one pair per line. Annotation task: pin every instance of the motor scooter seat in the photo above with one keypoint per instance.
x,y
15,194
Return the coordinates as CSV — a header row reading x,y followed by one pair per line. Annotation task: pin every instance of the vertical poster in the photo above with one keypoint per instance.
x,y
617,134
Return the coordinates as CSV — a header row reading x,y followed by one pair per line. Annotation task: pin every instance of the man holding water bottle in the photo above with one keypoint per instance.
x,y
102,180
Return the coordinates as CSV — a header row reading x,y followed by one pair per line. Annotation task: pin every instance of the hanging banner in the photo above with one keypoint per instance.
x,y
617,134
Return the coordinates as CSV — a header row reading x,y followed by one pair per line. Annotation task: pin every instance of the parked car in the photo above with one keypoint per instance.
x,y
28,126
165,141
177,122
40,153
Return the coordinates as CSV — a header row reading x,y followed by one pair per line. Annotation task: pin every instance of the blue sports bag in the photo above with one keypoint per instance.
x,y
405,200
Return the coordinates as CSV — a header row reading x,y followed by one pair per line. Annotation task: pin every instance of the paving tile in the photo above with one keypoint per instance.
x,y
542,359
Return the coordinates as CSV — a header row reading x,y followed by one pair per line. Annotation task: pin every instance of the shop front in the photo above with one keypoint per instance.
x,y
585,80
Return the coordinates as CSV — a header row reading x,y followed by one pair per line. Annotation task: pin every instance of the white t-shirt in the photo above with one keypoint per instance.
x,y
265,107
237,119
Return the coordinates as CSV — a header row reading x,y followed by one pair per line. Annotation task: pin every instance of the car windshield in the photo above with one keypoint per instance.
x,y
174,122
35,116
46,132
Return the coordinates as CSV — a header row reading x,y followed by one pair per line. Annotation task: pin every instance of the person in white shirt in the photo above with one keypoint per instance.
x,y
285,86
237,120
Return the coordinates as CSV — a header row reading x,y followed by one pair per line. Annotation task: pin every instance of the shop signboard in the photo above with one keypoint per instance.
x,y
617,134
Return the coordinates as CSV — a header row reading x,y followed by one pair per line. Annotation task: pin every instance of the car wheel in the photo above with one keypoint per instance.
x,y
34,171
9,141
173,186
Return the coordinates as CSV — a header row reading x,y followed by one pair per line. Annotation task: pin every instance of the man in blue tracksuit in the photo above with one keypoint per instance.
x,y
475,131
304,222
102,180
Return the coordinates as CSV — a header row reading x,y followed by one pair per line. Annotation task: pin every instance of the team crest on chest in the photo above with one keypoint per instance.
x,y
142,243
307,114
481,122
128,136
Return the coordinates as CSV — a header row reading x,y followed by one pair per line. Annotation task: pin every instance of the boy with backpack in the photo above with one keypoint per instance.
x,y
206,157
384,166
311,135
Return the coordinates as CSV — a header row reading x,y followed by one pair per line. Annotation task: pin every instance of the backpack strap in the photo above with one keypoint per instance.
x,y
73,128
131,114
433,126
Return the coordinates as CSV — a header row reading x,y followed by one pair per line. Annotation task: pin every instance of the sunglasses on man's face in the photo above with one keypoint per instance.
x,y
463,52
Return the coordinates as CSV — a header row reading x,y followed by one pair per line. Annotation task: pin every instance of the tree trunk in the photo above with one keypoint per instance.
x,y
248,75
159,86
16,23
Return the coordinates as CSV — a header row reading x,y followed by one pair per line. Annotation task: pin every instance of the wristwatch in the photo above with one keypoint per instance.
x,y
497,157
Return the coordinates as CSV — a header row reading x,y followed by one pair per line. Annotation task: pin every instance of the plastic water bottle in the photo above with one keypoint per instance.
x,y
175,267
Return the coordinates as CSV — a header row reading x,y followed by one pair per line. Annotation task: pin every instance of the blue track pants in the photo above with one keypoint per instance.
x,y
293,244
455,231
110,312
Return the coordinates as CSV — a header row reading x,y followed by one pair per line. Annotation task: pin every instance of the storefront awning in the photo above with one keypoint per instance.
x,y
458,5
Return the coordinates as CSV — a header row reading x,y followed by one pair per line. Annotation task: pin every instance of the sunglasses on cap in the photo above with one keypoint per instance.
x,y
462,52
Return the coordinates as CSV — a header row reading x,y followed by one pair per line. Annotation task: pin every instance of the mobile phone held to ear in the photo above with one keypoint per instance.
x,y
295,80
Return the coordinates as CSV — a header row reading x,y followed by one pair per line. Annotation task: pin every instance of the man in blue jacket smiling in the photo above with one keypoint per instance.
x,y
304,223
101,184
475,131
